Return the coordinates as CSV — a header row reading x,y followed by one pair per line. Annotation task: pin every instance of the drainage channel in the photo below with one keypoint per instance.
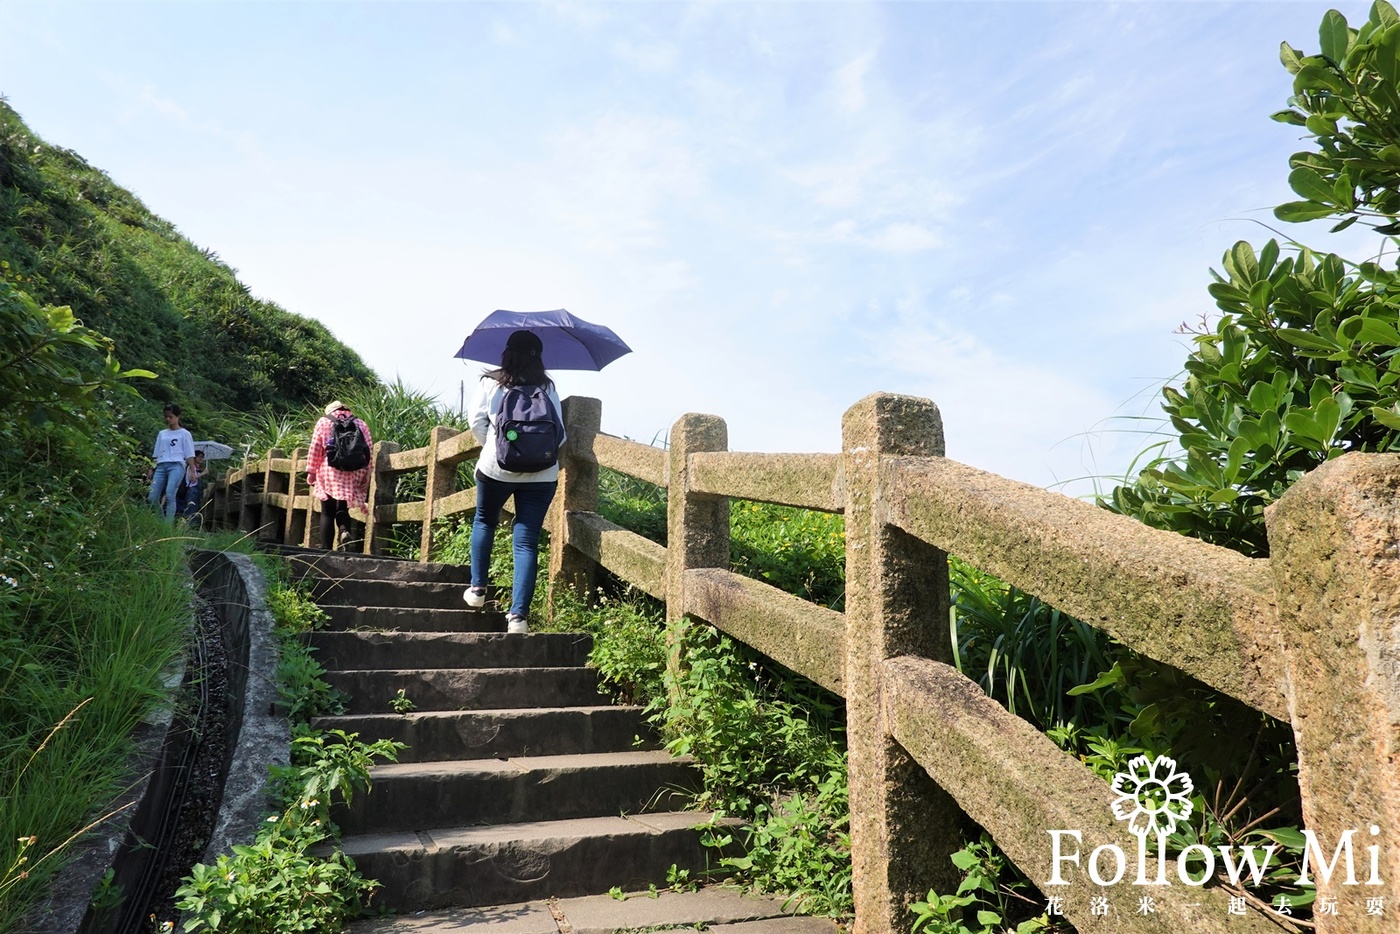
x,y
141,866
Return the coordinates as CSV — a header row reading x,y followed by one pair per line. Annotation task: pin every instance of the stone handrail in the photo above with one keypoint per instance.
x,y
1311,635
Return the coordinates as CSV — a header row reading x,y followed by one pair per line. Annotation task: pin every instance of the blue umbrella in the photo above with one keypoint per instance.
x,y
570,343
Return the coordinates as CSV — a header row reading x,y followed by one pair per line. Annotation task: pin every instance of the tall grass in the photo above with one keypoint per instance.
x,y
392,412
1025,653
90,656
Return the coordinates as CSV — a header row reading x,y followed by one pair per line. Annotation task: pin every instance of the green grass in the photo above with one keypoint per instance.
x,y
87,657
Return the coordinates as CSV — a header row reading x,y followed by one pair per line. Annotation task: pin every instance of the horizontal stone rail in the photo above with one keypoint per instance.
x,y
794,633
1018,785
630,457
1204,609
637,560
807,481
458,449
406,461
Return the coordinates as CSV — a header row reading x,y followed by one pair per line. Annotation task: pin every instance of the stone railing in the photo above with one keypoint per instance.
x,y
1311,636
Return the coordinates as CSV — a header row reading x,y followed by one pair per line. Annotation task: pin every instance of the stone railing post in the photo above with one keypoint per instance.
x,y
578,492
1335,553
442,482
312,535
903,826
270,516
249,513
381,493
697,524
218,503
296,520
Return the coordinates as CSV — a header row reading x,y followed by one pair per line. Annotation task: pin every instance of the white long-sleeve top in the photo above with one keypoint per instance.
x,y
483,420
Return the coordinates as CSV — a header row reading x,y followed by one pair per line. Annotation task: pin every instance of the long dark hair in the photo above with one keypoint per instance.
x,y
521,364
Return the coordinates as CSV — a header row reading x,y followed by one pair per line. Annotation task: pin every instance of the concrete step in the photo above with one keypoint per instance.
x,y
494,865
408,796
716,910
405,619
487,734
468,688
314,563
343,651
421,595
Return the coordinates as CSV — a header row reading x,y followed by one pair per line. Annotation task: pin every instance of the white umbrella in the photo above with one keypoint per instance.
x,y
214,450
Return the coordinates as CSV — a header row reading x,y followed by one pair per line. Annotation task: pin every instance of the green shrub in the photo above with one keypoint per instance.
x,y
991,891
800,551
1297,369
276,885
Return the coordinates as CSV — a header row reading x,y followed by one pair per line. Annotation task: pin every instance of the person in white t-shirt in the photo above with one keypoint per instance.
x,y
173,456
521,365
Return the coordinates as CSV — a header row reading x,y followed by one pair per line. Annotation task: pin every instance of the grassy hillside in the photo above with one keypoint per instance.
x,y
73,237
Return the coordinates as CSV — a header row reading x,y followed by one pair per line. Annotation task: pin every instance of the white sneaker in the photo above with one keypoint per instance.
x,y
516,625
475,597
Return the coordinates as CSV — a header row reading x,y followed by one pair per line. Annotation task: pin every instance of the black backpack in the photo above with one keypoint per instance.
x,y
346,448
528,430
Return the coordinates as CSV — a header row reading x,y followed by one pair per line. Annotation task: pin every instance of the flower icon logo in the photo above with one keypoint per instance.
x,y
1152,796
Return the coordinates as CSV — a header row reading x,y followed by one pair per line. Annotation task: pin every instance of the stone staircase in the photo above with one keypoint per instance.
x,y
521,781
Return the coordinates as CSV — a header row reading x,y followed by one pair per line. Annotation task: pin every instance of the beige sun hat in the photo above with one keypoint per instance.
x,y
335,406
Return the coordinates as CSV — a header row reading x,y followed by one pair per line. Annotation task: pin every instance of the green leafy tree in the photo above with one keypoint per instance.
x,y
51,367
1298,369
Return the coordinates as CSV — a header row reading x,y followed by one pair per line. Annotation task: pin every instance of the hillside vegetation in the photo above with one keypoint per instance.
x,y
73,237
106,313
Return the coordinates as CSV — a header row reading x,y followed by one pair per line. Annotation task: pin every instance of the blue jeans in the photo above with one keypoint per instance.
x,y
531,503
166,480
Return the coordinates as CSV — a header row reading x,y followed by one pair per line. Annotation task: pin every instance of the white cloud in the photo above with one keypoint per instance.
x,y
849,84
502,33
649,57
905,238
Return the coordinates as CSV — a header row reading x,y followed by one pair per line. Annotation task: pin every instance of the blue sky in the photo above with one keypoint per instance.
x,y
1005,207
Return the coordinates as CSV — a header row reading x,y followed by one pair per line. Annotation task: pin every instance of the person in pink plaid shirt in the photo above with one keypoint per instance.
x,y
340,491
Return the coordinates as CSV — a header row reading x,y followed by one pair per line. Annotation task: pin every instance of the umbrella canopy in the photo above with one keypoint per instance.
x,y
570,343
214,450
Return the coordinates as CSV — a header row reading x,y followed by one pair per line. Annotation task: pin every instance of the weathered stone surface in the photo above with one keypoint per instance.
x,y
427,595
484,734
456,793
476,866
714,906
468,689
1207,610
1334,541
630,457
1017,784
637,560
569,568
903,826
414,619
697,525
808,639
808,481
314,562
343,650
710,909
528,918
